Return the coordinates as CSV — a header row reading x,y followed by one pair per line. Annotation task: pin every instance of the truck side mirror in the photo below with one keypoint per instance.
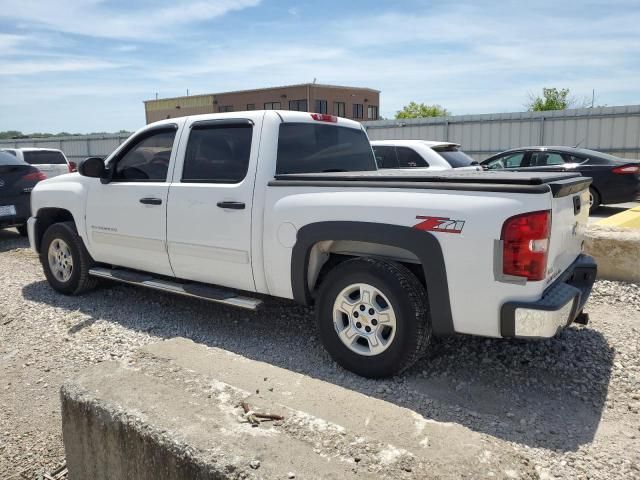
x,y
92,167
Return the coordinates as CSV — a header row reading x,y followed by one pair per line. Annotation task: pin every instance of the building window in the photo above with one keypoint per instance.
x,y
358,110
338,109
272,106
372,112
226,108
321,106
251,106
298,105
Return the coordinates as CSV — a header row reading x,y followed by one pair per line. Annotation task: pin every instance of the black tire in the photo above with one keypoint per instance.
x,y
408,299
22,230
79,281
596,200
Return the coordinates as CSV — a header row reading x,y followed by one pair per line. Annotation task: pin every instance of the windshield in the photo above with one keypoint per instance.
x,y
454,156
44,157
312,148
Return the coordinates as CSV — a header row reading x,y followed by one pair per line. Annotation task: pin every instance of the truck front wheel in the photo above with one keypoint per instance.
x,y
373,317
65,259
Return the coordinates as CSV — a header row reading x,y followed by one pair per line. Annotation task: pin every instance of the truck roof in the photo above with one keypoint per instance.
x,y
285,115
409,143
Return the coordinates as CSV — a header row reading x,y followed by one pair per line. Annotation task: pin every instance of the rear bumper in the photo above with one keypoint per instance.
x,y
22,205
560,304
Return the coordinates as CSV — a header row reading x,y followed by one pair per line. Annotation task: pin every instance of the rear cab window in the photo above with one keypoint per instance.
x,y
217,153
44,157
454,156
313,148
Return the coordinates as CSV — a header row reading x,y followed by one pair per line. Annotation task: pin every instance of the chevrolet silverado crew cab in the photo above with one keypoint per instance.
x,y
289,204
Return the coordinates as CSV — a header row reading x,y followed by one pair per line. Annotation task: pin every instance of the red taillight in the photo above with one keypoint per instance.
x,y
73,167
627,169
526,245
323,117
34,176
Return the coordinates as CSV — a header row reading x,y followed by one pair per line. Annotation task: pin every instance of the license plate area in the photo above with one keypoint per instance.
x,y
7,210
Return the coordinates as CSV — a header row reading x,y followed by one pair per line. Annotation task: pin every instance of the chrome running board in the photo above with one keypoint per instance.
x,y
193,289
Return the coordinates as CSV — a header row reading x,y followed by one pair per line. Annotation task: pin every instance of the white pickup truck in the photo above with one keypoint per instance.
x,y
290,204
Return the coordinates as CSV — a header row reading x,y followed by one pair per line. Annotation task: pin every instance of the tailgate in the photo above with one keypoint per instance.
x,y
570,215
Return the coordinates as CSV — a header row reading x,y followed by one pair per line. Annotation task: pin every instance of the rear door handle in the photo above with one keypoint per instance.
x,y
151,201
232,205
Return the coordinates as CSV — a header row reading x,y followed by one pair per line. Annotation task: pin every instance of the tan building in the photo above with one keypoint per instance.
x,y
349,102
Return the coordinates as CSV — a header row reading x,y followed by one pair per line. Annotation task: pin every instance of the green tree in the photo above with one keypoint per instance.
x,y
422,110
551,99
11,134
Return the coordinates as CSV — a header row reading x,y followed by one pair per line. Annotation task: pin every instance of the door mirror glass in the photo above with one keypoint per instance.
x,y
92,167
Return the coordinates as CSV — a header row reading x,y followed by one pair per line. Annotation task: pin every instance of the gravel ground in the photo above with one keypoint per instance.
x,y
569,405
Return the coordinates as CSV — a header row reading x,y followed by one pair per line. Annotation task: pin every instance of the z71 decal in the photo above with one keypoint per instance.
x,y
439,224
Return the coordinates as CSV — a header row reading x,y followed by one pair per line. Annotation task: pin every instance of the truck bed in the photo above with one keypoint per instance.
x,y
560,184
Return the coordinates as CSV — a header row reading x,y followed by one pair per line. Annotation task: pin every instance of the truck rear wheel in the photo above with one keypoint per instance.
x,y
373,317
65,260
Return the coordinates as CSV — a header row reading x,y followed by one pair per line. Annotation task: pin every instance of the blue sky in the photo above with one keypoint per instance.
x,y
87,65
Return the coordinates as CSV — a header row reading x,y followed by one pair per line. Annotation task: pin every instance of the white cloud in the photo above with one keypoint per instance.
x,y
30,67
242,60
93,18
9,42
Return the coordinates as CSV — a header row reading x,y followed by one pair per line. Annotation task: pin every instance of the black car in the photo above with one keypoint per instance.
x,y
17,179
615,179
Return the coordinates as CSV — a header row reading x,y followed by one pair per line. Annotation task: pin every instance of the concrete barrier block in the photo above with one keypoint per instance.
x,y
616,250
178,412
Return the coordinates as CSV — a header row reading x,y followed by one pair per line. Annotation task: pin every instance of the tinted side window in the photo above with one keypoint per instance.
x,y
542,159
313,148
217,154
146,160
511,160
385,156
568,158
11,152
44,158
409,158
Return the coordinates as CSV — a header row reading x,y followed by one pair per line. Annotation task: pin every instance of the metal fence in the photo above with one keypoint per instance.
x,y
75,147
614,130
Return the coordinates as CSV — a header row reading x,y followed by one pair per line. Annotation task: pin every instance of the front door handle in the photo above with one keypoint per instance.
x,y
232,205
151,201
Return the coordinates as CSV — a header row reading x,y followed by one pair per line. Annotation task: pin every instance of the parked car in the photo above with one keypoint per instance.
x,y
615,179
17,179
49,161
291,204
421,154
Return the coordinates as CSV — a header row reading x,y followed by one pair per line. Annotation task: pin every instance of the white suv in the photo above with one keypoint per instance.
x,y
49,161
422,155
